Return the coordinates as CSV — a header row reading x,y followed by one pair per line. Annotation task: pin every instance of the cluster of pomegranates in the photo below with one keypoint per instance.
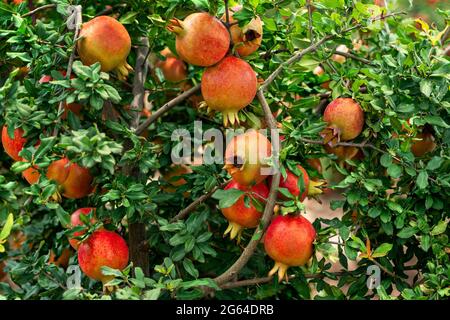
x,y
101,248
229,83
289,239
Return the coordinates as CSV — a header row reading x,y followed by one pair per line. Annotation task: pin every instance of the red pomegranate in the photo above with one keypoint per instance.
x,y
173,69
102,248
13,145
345,120
201,39
289,242
74,181
247,39
75,221
228,87
31,175
238,215
246,158
105,40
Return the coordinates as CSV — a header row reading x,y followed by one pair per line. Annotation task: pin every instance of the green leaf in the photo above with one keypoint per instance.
x,y
434,163
438,229
227,197
6,230
422,180
426,87
407,232
152,294
190,268
382,250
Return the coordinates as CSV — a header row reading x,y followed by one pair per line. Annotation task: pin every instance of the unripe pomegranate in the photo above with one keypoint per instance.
x,y
247,39
422,144
173,69
228,87
201,39
238,215
75,221
246,158
289,242
74,181
338,58
345,120
102,248
13,145
105,40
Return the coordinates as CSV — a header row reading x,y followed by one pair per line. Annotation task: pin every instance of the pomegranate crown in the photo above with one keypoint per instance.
x,y
175,26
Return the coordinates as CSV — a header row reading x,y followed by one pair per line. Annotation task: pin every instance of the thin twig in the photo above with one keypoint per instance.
x,y
44,7
311,33
169,105
183,213
78,21
354,57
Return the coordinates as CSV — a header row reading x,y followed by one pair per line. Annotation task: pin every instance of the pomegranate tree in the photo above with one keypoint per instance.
x,y
229,87
289,242
102,248
239,215
201,39
345,120
105,40
246,158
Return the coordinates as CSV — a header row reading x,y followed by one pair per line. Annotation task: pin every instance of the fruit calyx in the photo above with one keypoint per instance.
x,y
175,26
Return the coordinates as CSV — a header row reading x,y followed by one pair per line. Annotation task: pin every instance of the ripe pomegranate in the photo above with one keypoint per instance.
x,y
345,120
246,158
102,248
238,215
289,242
173,69
31,175
422,144
75,182
248,39
201,39
105,40
62,260
228,87
338,58
13,145
75,221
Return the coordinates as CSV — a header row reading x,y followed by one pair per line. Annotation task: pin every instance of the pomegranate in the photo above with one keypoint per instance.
x,y
342,152
345,120
228,87
240,216
13,145
75,221
248,39
62,260
422,144
102,248
173,69
31,175
74,181
289,242
105,40
246,158
201,39
338,58
318,71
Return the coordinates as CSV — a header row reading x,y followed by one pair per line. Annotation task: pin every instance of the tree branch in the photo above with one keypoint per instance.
x,y
311,33
183,213
138,83
44,7
354,57
268,210
169,105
